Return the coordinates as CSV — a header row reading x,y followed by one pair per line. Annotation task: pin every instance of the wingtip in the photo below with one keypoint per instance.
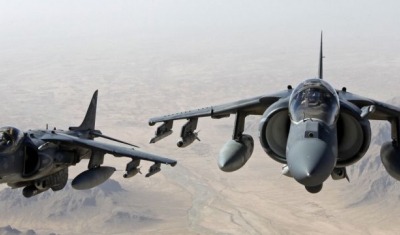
x,y
151,122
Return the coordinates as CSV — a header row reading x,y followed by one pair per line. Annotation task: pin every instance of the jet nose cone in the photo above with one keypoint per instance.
x,y
311,161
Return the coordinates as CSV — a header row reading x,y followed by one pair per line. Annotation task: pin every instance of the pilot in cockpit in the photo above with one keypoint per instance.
x,y
312,97
10,138
5,138
315,100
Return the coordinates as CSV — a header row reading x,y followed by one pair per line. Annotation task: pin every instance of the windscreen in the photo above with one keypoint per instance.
x,y
314,99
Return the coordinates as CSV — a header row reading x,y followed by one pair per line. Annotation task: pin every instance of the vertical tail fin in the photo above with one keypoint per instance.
x,y
321,56
90,119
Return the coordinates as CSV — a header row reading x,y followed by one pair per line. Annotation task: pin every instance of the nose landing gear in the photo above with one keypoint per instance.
x,y
314,189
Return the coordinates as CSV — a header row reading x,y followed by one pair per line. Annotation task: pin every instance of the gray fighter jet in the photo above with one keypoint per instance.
x,y
38,160
314,130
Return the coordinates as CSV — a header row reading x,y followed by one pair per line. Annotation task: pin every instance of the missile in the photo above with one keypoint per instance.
x,y
186,141
132,172
235,153
188,134
30,191
92,177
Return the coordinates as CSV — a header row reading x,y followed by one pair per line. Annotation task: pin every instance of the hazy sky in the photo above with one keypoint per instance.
x,y
294,21
358,35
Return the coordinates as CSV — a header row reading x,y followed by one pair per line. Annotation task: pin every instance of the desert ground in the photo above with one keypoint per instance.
x,y
48,77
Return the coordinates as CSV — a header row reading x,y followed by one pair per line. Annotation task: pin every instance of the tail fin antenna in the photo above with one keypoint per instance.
x,y
321,56
90,119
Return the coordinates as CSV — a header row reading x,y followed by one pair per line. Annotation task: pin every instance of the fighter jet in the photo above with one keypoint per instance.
x,y
314,130
38,160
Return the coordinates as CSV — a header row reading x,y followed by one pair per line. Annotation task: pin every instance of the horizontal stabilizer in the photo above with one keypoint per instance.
x,y
98,134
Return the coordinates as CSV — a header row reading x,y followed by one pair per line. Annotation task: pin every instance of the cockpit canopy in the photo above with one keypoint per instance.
x,y
10,138
315,99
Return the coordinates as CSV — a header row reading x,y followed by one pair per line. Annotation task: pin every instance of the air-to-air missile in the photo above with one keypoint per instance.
x,y
132,172
188,139
188,134
31,191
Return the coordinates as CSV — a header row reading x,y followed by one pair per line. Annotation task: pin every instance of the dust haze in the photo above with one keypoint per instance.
x,y
150,58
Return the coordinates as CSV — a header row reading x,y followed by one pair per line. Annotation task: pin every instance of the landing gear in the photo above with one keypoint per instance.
x,y
314,189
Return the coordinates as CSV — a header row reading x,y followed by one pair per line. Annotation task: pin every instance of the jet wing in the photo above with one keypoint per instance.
x,y
252,106
242,108
382,110
106,148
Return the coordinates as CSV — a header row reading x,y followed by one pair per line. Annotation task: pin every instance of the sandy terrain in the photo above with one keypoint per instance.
x,y
195,196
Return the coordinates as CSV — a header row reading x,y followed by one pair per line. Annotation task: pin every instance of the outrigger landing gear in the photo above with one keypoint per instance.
x,y
132,168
